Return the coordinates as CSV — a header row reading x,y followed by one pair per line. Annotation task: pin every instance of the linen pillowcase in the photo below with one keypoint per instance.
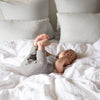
x,y
11,29
75,6
1,16
79,27
25,9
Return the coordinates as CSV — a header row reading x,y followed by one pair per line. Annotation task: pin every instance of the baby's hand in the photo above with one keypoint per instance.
x,y
40,37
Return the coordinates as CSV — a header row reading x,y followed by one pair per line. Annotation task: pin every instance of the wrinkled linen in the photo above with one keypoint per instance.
x,y
80,81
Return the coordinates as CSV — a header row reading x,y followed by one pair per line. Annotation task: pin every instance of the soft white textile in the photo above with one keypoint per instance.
x,y
25,9
21,29
1,16
80,27
77,6
80,81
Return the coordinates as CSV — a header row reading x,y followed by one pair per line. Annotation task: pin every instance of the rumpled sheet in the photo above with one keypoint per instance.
x,y
80,81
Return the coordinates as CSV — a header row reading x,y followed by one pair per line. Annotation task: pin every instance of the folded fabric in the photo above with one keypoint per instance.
x,y
79,27
17,29
25,9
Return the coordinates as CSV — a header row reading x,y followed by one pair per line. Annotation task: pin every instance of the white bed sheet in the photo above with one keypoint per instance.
x,y
80,81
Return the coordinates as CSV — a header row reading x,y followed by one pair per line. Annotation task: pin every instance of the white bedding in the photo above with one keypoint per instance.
x,y
81,81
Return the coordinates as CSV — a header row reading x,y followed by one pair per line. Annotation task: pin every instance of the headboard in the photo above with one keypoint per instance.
x,y
53,18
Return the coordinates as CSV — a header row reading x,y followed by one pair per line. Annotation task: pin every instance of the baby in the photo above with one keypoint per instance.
x,y
40,61
64,58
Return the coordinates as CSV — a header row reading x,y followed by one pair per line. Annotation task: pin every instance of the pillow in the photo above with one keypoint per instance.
x,y
11,29
77,6
1,16
25,9
80,27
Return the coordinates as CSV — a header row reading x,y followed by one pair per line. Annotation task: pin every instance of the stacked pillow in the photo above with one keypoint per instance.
x,y
24,19
78,20
1,16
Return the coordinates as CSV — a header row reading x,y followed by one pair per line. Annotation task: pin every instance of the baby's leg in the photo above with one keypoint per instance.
x,y
41,45
33,67
44,43
40,37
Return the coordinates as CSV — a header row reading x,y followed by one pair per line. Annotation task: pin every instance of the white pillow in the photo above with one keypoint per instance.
x,y
1,16
11,30
77,6
79,27
26,10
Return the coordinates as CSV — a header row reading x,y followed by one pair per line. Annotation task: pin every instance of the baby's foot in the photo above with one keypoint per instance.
x,y
44,42
40,37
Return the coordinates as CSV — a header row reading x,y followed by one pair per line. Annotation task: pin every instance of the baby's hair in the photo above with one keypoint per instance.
x,y
67,51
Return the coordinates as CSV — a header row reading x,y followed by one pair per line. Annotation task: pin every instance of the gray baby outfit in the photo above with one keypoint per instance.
x,y
37,63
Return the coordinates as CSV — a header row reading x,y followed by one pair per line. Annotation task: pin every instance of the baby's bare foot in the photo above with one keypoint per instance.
x,y
40,37
44,42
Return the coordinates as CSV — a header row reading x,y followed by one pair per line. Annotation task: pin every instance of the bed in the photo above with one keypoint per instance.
x,y
78,29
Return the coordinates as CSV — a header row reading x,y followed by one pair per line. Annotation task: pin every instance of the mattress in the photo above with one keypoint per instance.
x,y
80,81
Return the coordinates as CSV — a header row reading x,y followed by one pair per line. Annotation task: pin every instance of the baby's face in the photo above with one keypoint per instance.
x,y
65,58
61,64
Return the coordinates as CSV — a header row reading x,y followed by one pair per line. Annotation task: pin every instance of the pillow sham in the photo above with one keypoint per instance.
x,y
80,27
25,9
77,6
11,29
1,16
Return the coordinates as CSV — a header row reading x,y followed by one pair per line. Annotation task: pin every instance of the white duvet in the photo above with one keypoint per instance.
x,y
80,81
